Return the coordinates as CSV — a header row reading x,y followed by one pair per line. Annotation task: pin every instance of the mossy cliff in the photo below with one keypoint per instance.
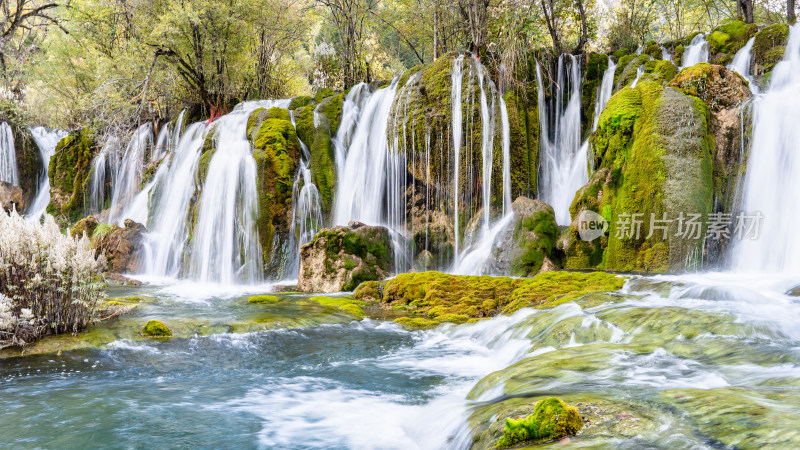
x,y
768,49
430,298
652,157
725,92
420,128
316,124
69,175
596,65
340,258
276,151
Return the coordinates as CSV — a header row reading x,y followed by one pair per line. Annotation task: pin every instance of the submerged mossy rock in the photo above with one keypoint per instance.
x,y
276,151
526,246
725,40
156,328
339,259
69,174
551,419
430,298
768,49
120,245
653,159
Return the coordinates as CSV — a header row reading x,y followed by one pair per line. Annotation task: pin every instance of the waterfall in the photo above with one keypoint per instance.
x,y
306,205
225,247
562,162
167,138
8,155
456,80
741,64
696,52
665,54
506,155
128,179
361,182
487,140
639,73
772,182
354,102
46,140
169,231
605,91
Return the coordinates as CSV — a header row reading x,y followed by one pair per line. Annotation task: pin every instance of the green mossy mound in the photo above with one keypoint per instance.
x,y
653,156
659,71
627,70
768,48
430,298
69,175
264,299
155,328
551,419
277,152
346,304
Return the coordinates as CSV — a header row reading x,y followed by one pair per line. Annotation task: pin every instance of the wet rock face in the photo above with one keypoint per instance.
x,y
121,246
11,197
526,246
339,259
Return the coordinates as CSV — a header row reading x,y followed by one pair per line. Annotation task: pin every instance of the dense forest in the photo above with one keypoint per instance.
x,y
110,65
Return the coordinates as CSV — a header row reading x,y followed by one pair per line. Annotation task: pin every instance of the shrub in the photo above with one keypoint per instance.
x,y
49,281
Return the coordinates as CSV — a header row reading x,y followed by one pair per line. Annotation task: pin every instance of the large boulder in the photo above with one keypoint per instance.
x,y
340,258
653,157
11,197
725,40
525,247
121,245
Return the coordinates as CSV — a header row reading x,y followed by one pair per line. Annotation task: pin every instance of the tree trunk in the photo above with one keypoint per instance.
x,y
584,29
790,15
746,8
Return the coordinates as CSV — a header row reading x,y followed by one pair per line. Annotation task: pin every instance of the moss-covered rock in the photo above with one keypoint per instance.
x,y
264,299
659,71
725,40
551,419
346,304
276,151
656,147
156,328
121,246
315,129
526,246
341,258
436,297
596,66
627,70
69,175
768,48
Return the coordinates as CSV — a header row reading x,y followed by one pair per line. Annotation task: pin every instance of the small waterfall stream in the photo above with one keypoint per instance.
x,y
8,155
742,62
456,81
46,140
127,182
772,182
696,52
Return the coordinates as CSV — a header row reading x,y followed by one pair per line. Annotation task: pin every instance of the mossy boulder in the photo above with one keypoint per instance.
x,y
596,65
768,49
659,71
315,129
430,298
122,246
339,259
156,328
69,175
627,69
551,419
653,157
276,151
725,40
264,299
526,246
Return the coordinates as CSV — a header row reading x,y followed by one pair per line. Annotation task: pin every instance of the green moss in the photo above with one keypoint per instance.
x,y
69,174
619,54
537,235
346,304
264,299
323,94
331,108
155,328
727,39
101,230
442,297
551,419
416,323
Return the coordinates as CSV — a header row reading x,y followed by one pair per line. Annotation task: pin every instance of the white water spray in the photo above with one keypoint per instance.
x,y
696,52
46,140
741,64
